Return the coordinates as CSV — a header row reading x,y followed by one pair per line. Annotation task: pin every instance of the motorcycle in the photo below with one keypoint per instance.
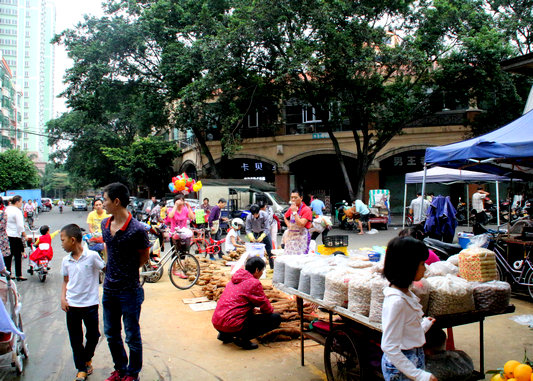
x,y
442,249
41,265
460,214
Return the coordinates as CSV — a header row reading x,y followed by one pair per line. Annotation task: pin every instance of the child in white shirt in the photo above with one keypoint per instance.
x,y
233,239
79,297
402,318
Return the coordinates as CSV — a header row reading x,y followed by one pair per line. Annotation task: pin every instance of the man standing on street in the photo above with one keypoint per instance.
x,y
214,219
317,206
414,208
128,248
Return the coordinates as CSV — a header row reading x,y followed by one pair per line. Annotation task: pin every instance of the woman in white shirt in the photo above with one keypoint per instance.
x,y
15,232
402,318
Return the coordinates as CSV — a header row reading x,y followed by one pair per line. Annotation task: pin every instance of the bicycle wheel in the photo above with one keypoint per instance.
x,y
341,360
529,280
197,248
184,271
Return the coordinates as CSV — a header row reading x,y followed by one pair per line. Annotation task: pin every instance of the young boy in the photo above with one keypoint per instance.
x,y
79,297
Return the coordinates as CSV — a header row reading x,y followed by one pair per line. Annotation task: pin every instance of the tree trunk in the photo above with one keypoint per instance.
x,y
213,170
338,152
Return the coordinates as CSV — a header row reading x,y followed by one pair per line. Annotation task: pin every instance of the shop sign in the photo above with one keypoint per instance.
x,y
320,135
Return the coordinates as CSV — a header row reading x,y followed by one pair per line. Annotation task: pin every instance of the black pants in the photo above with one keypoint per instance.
x,y
89,317
255,325
17,248
315,235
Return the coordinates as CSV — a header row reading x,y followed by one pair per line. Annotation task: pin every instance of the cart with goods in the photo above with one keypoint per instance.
x,y
350,291
378,203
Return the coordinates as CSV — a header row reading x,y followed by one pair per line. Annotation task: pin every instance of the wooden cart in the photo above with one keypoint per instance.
x,y
351,349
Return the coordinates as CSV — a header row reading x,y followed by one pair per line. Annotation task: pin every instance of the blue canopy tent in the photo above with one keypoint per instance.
x,y
450,176
507,151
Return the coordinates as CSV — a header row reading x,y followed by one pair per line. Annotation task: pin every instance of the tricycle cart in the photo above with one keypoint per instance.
x,y
351,348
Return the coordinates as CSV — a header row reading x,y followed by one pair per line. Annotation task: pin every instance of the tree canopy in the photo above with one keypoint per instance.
x,y
202,65
17,171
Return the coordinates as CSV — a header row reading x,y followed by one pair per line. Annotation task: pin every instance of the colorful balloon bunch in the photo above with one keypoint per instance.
x,y
184,184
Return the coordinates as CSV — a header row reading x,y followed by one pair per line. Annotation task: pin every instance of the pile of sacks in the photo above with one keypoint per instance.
x,y
357,285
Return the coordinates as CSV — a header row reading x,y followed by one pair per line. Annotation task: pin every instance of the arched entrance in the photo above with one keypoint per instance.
x,y
320,174
189,168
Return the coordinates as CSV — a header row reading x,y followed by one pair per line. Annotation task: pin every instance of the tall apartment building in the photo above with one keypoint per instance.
x,y
26,28
10,116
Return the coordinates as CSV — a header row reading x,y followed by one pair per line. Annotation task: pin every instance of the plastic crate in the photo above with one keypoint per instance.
x,y
336,241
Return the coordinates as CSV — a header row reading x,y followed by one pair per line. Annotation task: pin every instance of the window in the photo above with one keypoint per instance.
x,y
253,120
25,146
309,115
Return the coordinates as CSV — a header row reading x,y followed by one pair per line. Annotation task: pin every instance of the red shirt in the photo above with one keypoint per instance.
x,y
240,296
303,212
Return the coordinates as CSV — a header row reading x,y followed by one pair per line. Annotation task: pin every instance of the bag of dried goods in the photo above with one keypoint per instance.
x,y
378,284
293,267
493,296
453,259
304,284
318,281
279,270
336,291
477,264
449,294
357,263
441,268
422,289
359,292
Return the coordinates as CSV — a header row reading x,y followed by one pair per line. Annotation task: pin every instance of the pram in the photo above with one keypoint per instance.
x,y
13,346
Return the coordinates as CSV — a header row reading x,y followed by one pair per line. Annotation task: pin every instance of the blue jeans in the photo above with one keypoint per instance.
x,y
124,306
390,373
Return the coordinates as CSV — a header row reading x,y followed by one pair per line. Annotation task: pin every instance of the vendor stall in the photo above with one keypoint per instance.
x,y
351,288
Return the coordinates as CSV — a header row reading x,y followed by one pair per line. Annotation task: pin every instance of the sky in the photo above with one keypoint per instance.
x,y
68,14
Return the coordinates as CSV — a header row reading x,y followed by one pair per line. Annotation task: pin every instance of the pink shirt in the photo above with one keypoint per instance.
x,y
432,257
180,218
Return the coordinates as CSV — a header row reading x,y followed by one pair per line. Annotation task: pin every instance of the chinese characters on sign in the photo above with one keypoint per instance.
x,y
409,161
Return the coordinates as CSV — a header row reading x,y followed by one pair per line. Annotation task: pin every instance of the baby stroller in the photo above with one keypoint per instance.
x,y
12,339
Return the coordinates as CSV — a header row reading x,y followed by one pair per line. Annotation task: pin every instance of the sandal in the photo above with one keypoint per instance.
x,y
81,376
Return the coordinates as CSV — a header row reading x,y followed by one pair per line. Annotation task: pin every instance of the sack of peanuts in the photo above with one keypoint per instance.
x,y
336,292
359,293
377,297
449,294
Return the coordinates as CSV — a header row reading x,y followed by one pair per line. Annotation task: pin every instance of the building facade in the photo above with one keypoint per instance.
x,y
26,29
10,117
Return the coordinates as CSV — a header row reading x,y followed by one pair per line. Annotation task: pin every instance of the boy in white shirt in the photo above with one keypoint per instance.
x,y
79,297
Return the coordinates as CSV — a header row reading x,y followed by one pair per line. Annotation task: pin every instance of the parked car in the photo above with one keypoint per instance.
x,y
46,204
79,204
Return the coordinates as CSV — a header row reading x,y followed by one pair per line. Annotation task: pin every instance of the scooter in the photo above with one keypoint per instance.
x,y
442,249
41,265
460,214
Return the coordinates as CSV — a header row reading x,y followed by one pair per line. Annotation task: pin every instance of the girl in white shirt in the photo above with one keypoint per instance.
x,y
233,240
403,323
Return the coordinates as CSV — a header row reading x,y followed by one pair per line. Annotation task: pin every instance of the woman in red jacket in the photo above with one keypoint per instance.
x,y
234,317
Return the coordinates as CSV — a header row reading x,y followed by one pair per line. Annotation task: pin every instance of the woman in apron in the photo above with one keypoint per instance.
x,y
298,219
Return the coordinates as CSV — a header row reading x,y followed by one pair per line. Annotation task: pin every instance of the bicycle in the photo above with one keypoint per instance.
x,y
184,270
517,271
203,243
29,220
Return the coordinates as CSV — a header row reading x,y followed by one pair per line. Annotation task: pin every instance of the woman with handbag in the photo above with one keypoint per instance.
x,y
178,218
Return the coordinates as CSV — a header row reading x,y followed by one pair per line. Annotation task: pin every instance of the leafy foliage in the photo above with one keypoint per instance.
x,y
17,171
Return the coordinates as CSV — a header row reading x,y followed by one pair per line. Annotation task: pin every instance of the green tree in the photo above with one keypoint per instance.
x,y
147,162
17,171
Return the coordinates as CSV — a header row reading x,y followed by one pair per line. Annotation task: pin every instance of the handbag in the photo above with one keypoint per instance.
x,y
215,226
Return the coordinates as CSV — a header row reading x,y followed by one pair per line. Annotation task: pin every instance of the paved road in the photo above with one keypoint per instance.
x,y
181,345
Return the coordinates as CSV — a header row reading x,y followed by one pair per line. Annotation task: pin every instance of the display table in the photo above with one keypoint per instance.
x,y
372,331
